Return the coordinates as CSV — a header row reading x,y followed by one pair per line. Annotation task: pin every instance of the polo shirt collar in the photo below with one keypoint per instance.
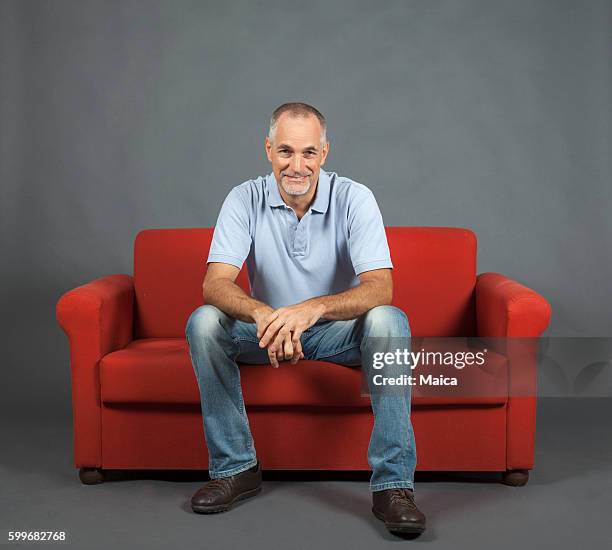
x,y
321,196
274,196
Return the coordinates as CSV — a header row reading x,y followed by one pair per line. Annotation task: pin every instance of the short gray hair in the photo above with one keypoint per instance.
x,y
297,109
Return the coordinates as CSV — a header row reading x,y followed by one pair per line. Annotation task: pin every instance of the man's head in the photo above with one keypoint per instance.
x,y
297,147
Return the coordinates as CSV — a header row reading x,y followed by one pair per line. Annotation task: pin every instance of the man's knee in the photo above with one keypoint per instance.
x,y
204,322
387,321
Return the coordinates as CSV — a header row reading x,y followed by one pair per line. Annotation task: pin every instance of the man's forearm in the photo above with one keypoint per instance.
x,y
231,299
355,301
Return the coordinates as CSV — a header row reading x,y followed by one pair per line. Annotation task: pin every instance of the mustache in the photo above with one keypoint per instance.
x,y
295,175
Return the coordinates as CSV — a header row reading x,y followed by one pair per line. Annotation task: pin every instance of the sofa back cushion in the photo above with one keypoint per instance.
x,y
434,276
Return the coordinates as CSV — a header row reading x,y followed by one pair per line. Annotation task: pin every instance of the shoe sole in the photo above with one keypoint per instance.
x,y
225,507
416,528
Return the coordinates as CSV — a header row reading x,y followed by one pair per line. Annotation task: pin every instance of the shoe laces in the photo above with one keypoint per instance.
x,y
404,496
219,484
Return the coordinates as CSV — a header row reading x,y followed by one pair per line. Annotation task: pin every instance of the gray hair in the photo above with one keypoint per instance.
x,y
295,110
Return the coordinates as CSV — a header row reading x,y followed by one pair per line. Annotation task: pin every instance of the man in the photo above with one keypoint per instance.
x,y
320,273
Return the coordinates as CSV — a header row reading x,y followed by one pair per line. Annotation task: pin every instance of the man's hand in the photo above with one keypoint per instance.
x,y
282,328
286,349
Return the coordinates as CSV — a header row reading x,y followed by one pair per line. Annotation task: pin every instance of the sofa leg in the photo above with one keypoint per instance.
x,y
515,478
91,476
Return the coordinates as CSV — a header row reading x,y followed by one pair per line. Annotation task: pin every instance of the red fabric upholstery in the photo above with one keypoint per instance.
x,y
295,438
159,370
508,309
434,273
97,317
135,396
170,264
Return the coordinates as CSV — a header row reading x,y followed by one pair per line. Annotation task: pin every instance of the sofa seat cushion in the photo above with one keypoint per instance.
x,y
159,370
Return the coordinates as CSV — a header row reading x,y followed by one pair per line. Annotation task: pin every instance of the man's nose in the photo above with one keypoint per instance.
x,y
297,163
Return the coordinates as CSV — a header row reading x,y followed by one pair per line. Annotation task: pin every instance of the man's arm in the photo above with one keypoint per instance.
x,y
220,289
375,288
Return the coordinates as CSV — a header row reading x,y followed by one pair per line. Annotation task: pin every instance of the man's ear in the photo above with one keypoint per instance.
x,y
324,153
268,149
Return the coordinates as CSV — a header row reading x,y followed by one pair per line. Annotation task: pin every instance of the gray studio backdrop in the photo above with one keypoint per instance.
x,y
119,116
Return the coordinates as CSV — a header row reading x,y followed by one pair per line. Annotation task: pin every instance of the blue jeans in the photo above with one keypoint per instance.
x,y
217,341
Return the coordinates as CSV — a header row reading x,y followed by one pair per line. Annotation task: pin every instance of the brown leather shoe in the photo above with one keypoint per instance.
x,y
396,507
220,494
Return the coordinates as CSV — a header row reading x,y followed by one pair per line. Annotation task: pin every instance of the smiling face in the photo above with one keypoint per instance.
x,y
296,154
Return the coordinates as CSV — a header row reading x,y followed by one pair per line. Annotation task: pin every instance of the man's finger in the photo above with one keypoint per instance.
x,y
270,332
264,325
288,347
297,346
272,357
297,354
279,343
271,316
277,349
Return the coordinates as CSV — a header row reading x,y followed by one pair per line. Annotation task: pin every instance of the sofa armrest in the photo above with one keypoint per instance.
x,y
97,318
514,317
506,308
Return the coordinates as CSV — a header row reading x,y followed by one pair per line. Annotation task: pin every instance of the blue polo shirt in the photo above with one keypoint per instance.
x,y
288,261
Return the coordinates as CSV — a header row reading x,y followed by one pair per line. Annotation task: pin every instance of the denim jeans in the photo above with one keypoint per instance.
x,y
216,341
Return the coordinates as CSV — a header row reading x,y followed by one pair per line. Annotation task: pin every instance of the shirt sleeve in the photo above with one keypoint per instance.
x,y
368,245
231,240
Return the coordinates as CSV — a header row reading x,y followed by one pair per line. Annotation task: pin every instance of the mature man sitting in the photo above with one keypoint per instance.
x,y
320,273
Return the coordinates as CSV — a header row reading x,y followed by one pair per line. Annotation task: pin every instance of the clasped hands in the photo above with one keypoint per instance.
x,y
280,329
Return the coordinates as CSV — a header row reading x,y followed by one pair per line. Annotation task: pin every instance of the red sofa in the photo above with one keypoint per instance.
x,y
135,397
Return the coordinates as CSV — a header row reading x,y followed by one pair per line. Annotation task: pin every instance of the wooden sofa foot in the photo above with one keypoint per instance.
x,y
515,478
91,476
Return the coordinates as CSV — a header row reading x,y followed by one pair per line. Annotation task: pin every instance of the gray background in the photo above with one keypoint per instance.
x,y
119,116
565,505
